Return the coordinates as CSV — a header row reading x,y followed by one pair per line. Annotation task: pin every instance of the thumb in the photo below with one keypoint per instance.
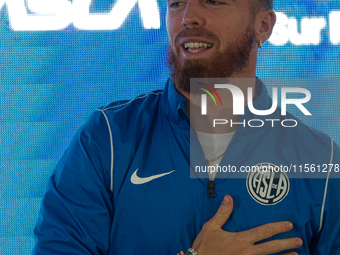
x,y
223,213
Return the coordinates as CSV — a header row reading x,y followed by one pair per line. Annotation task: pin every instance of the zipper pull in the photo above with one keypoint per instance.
x,y
211,189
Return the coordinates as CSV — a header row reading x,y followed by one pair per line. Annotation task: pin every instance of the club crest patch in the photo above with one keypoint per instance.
x,y
267,184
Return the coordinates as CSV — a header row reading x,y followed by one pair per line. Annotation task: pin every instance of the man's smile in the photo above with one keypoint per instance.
x,y
193,48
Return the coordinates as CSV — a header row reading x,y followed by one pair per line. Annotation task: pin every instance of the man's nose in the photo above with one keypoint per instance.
x,y
193,16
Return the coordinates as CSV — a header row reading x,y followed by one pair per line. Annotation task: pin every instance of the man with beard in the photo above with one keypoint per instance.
x,y
123,186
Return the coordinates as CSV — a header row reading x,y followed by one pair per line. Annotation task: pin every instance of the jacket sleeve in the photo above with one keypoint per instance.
x,y
327,241
77,212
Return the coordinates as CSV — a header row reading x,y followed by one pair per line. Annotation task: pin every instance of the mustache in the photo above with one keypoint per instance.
x,y
198,32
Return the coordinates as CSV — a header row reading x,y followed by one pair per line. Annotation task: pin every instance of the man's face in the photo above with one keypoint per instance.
x,y
208,39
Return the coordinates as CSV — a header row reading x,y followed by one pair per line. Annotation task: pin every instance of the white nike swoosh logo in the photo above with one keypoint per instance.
x,y
140,180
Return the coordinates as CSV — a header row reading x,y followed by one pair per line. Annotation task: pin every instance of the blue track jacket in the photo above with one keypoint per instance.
x,y
97,203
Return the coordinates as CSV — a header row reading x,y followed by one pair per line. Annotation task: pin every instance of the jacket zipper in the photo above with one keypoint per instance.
x,y
211,189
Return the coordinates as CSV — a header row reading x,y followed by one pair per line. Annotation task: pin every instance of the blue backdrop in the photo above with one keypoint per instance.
x,y
60,60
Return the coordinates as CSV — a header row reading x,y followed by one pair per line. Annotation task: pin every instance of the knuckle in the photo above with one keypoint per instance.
x,y
207,225
277,246
271,226
283,227
258,232
222,211
272,229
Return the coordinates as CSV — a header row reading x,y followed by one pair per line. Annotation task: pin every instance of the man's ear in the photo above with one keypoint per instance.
x,y
264,24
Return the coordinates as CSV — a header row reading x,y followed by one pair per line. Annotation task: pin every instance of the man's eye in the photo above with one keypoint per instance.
x,y
213,2
175,4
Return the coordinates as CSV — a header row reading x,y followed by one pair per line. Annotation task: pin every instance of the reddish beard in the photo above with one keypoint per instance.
x,y
220,65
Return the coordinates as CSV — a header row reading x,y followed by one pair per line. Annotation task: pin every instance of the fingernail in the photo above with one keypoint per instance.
x,y
226,200
289,225
298,242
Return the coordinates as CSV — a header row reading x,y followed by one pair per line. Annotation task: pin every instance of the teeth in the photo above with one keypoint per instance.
x,y
193,51
193,45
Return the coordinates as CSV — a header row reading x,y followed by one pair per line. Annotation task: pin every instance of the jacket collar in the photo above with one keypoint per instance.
x,y
175,102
